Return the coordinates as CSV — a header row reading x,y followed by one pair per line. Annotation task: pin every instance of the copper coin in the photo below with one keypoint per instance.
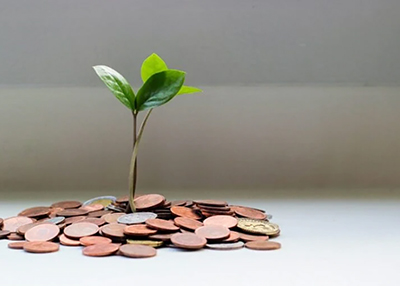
x,y
42,232
145,202
92,207
263,245
211,203
112,218
54,211
138,230
24,228
188,240
99,213
167,204
74,219
113,230
72,212
13,223
67,241
249,212
15,236
35,212
218,209
41,247
249,237
80,229
67,205
98,250
137,251
188,223
97,221
161,224
180,203
161,236
208,214
185,212
122,199
233,237
4,233
223,220
213,232
90,240
189,203
16,245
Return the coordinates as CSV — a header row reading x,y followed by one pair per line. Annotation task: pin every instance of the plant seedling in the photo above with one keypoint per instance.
x,y
160,85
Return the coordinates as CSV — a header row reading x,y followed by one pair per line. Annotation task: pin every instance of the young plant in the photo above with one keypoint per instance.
x,y
160,85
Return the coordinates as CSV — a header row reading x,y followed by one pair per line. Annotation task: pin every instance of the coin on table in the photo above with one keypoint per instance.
x,y
161,236
67,241
81,229
112,218
13,223
188,240
137,251
24,228
149,201
211,203
16,245
152,243
15,236
213,232
91,240
249,237
233,237
185,212
56,220
138,230
161,224
41,247
42,232
225,246
113,230
249,212
103,200
67,204
224,220
72,212
188,223
4,233
98,250
136,218
35,212
92,207
263,245
258,226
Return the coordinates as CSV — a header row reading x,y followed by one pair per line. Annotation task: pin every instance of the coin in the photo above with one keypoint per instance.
x,y
96,220
185,212
92,207
160,224
4,233
15,236
13,223
54,211
56,220
74,219
188,223
99,213
98,250
103,200
188,240
16,245
115,208
161,236
80,229
149,201
151,243
112,218
263,245
122,199
138,230
67,205
67,241
72,212
24,228
258,226
249,213
248,237
233,237
180,203
213,232
211,203
136,218
90,240
223,220
41,247
42,232
137,251
225,246
214,208
35,212
113,230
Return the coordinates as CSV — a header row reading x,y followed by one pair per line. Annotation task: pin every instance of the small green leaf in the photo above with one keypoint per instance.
x,y
188,89
118,85
152,65
159,89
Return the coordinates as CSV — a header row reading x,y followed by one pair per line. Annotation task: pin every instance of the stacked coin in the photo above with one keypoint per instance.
x,y
102,228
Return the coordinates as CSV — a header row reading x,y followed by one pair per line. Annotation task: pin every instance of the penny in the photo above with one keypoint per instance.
x,y
188,223
225,246
112,218
138,230
4,233
167,204
185,212
103,200
74,219
248,237
53,212
90,240
16,245
137,251
92,207
35,212
72,212
67,205
188,240
13,223
15,236
161,224
211,203
260,210
136,218
113,230
208,214
98,250
99,213
249,213
263,245
180,203
42,232
161,236
41,247
258,226
145,202
80,229
24,228
56,220
67,241
213,232
151,243
223,220
233,237
122,199
96,220
189,203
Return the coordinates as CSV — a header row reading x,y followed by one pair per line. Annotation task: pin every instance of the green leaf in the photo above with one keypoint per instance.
x,y
159,89
118,85
188,89
152,65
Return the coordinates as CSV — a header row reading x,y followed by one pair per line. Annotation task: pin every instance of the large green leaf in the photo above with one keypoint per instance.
x,y
152,65
188,89
118,85
159,89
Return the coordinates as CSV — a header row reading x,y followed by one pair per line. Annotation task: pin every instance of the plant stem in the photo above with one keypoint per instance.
x,y
133,177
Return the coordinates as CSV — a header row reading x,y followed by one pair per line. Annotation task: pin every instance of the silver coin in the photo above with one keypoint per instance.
x,y
225,246
56,220
269,216
103,200
134,218
115,208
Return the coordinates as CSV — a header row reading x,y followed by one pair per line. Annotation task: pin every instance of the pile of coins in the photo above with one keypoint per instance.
x,y
102,227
